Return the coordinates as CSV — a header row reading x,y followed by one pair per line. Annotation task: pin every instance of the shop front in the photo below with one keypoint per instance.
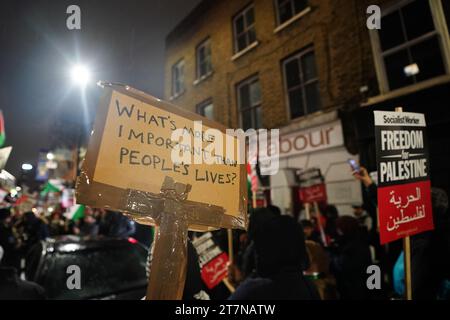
x,y
317,144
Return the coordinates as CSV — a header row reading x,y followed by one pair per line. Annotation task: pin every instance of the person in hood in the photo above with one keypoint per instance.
x,y
280,259
8,240
350,259
35,230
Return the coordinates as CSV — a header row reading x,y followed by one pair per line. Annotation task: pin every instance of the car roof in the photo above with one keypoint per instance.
x,y
70,243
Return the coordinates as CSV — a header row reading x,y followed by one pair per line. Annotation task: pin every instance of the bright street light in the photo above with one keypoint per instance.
x,y
50,156
27,166
80,75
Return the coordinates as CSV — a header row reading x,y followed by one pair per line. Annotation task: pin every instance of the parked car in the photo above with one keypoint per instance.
x,y
109,268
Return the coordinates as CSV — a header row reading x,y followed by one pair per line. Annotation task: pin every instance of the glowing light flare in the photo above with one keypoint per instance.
x,y
80,75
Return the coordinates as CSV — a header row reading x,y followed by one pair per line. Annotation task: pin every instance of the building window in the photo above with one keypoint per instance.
x,y
301,83
203,57
249,103
446,7
206,109
178,78
244,29
409,46
287,9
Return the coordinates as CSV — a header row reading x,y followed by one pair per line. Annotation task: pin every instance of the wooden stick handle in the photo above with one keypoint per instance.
x,y
307,212
229,286
168,267
230,246
407,261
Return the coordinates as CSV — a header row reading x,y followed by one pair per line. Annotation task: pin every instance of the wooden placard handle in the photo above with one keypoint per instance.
x,y
168,267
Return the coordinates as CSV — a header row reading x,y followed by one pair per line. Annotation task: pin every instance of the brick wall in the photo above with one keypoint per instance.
x,y
335,28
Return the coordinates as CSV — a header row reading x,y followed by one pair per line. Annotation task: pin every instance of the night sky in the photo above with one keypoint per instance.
x,y
120,41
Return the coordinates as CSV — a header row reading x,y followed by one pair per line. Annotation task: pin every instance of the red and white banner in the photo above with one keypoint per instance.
x,y
213,261
215,270
315,193
312,186
405,210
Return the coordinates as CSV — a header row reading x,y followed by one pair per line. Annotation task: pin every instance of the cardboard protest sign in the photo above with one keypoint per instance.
x,y
213,261
131,148
404,191
312,186
4,155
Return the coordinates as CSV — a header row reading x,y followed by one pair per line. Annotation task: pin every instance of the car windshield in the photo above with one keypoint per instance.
x,y
103,271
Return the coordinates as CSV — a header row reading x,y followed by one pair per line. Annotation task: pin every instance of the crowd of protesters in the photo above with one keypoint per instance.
x,y
330,258
20,231
320,255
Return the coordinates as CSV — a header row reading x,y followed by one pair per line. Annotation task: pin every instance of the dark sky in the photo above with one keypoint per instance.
x,y
120,41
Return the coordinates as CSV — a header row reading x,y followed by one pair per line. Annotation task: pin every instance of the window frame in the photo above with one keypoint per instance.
x,y
298,56
205,42
248,81
242,13
440,27
294,16
173,68
201,105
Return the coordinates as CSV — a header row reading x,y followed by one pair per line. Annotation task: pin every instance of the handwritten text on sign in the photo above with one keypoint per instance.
x,y
404,192
135,153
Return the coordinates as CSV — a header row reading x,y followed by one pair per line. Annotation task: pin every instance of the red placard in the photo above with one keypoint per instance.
x,y
316,193
215,270
406,210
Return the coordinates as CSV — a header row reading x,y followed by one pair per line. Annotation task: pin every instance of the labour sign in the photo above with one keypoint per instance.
x,y
404,192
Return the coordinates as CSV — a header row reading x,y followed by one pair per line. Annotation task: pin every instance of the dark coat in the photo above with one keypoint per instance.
x,y
281,258
286,285
349,265
13,288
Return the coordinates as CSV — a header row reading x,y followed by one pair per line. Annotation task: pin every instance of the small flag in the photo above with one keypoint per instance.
x,y
252,177
49,188
75,212
2,129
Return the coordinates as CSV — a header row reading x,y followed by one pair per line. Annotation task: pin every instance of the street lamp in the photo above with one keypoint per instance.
x,y
80,75
50,156
27,167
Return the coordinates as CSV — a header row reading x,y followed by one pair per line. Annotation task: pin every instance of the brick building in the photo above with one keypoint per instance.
x,y
309,67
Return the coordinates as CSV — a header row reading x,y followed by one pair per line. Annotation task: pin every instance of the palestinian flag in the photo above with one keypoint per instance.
x,y
2,130
75,212
252,178
49,188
